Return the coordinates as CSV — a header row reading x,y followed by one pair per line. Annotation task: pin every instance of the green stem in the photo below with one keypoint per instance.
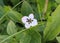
x,y
17,4
45,8
3,17
38,7
7,11
13,35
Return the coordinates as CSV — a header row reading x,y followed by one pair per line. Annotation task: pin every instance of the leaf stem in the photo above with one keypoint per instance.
x,y
13,35
7,12
38,7
45,8
17,4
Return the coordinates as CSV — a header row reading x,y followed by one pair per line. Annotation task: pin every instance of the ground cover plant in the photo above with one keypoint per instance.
x,y
29,21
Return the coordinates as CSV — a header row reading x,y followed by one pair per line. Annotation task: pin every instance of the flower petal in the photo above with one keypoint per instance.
x,y
31,16
34,22
27,25
24,19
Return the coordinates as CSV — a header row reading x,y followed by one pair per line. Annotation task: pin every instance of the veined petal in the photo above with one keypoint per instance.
x,y
31,16
24,19
34,22
27,26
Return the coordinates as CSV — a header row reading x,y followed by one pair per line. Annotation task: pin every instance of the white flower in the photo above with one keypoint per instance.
x,y
29,21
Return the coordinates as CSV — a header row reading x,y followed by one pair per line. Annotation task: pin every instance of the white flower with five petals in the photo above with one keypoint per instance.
x,y
29,21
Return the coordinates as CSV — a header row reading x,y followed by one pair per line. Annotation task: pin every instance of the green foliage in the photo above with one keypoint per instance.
x,y
13,15
30,36
3,37
53,25
58,39
58,1
26,9
14,2
12,30
35,37
1,3
40,4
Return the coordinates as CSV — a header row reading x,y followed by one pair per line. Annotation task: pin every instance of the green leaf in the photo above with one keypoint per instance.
x,y
40,5
1,3
2,12
53,25
58,1
13,15
31,1
3,26
11,40
26,9
50,7
2,37
11,28
35,36
15,1
58,39
29,36
7,13
40,27
25,38
12,36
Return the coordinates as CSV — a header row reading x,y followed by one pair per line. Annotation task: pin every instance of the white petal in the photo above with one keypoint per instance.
x,y
34,22
27,26
24,19
31,16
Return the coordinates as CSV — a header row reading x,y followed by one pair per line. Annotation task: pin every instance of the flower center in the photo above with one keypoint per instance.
x,y
29,20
